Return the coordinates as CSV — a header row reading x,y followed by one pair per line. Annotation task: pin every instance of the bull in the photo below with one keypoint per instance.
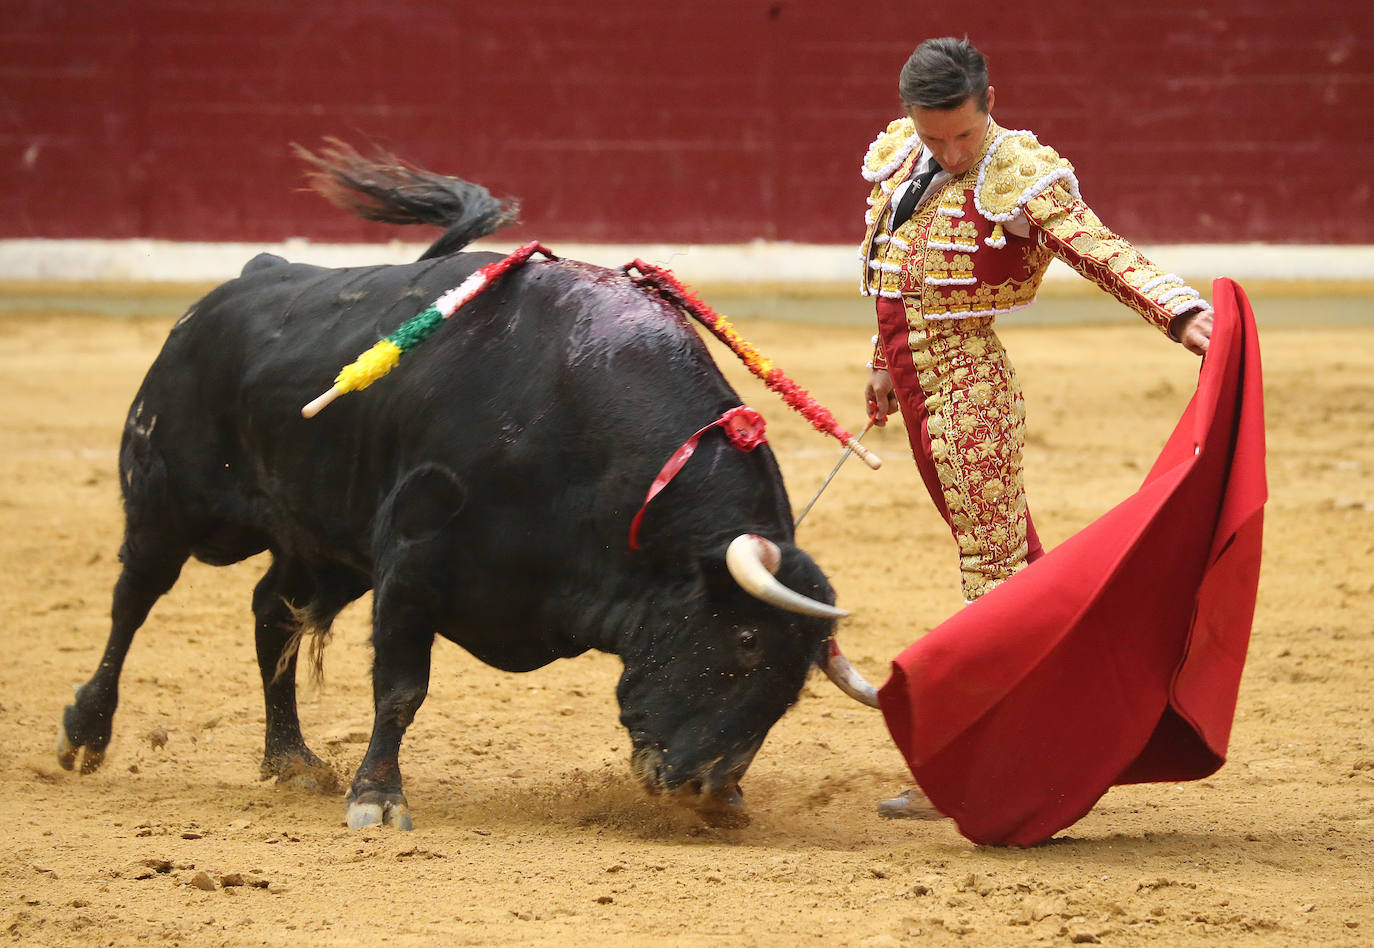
x,y
483,492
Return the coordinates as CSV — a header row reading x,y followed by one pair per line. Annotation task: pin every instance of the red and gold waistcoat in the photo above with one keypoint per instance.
x,y
955,259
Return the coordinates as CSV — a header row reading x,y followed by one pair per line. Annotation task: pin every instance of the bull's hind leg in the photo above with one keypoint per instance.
x,y
410,601
402,639
290,602
151,564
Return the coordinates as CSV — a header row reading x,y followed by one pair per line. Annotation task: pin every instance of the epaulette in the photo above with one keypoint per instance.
x,y
890,149
1016,169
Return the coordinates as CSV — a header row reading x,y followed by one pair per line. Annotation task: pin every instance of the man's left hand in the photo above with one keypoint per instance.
x,y
1196,332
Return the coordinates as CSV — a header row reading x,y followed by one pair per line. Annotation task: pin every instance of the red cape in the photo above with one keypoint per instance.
x,y
1116,657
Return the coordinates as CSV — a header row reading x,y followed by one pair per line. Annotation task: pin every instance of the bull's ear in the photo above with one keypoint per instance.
x,y
715,577
800,573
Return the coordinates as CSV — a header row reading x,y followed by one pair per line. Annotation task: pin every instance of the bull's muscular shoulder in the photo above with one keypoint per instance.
x,y
891,148
1016,169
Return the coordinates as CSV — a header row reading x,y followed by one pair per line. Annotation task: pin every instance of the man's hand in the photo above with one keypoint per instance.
x,y
1195,332
881,397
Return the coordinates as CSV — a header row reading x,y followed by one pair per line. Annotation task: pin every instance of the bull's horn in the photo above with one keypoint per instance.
x,y
847,679
752,560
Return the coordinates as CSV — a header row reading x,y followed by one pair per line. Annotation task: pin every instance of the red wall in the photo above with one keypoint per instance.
x,y
669,121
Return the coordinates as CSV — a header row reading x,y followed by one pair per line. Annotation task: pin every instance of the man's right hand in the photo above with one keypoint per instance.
x,y
880,397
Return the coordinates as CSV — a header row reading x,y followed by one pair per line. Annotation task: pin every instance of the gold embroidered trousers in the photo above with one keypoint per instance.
x,y
966,421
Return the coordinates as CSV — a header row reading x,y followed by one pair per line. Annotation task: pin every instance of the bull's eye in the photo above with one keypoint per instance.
x,y
748,640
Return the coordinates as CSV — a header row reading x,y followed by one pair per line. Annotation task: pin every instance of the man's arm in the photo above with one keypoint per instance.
x,y
880,395
1069,228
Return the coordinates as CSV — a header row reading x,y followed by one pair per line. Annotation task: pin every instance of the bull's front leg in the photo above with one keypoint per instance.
x,y
402,639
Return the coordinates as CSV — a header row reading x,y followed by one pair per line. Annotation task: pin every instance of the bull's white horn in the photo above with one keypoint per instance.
x,y
752,560
847,679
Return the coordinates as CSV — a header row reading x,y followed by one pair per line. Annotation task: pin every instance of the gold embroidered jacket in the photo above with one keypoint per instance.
x,y
955,259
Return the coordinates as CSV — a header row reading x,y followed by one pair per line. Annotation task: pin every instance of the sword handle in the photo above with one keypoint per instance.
x,y
867,456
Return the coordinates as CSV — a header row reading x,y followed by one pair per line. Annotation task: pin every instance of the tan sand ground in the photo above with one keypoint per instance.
x,y
529,829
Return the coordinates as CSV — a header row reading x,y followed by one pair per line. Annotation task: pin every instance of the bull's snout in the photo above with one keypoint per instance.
x,y
713,792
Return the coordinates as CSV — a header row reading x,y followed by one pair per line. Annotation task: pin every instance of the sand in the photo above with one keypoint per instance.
x,y
529,828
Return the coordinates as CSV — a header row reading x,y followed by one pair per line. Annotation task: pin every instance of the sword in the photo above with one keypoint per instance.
x,y
849,449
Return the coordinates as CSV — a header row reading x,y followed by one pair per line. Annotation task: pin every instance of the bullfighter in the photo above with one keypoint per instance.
x,y
964,217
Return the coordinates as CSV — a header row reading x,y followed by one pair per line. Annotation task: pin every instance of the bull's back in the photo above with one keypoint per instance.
x,y
546,397
218,414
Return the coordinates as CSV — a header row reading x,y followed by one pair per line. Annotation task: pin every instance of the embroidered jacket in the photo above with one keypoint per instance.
x,y
954,258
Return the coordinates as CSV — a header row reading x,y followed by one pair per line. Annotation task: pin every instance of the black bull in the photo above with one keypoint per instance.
x,y
483,491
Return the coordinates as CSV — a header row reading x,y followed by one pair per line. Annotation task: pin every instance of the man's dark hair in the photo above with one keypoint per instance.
x,y
943,73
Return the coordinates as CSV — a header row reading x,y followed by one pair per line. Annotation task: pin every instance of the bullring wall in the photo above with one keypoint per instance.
x,y
708,122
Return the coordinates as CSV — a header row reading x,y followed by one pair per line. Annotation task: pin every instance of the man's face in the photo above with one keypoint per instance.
x,y
954,136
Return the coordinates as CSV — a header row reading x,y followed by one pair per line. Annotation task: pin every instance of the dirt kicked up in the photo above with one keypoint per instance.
x,y
529,828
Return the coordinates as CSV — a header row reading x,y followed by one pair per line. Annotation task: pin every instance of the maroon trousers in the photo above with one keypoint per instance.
x,y
965,419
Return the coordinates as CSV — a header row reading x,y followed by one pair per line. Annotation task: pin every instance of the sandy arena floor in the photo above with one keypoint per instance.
x,y
529,828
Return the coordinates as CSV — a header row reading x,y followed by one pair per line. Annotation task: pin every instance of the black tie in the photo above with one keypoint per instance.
x,y
907,205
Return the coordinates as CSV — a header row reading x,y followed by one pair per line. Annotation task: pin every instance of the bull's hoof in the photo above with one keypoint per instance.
x,y
730,818
374,807
69,751
726,811
301,770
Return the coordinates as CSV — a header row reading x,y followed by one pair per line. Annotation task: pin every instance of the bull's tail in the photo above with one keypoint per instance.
x,y
309,623
382,187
